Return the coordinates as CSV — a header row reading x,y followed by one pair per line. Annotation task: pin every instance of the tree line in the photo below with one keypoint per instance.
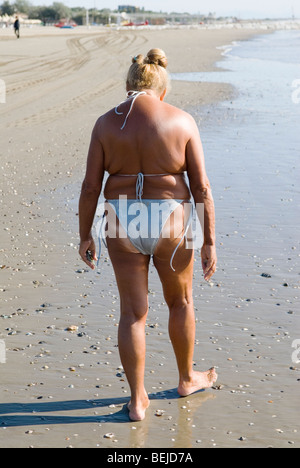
x,y
58,10
54,12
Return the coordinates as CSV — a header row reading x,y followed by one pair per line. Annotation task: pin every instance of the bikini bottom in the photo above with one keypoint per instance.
x,y
145,221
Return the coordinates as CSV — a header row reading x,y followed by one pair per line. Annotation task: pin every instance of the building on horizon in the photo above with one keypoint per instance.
x,y
128,9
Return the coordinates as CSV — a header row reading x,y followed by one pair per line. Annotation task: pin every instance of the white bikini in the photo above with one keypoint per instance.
x,y
152,214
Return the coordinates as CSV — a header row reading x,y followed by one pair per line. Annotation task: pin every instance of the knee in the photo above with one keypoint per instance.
x,y
180,304
133,313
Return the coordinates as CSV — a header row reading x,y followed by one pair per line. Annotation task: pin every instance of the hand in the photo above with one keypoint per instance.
x,y
85,247
209,261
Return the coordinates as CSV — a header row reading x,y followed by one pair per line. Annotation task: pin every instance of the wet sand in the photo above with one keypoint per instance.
x,y
65,388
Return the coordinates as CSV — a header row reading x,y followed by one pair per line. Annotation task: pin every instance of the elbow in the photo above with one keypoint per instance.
x,y
201,190
89,190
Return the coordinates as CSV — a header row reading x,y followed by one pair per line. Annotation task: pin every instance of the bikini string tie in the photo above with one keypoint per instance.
x,y
140,186
134,95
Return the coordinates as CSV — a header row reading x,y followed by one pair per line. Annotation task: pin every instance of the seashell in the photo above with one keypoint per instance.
x,y
72,328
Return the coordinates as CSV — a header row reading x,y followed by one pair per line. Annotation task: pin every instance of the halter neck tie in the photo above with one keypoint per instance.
x,y
130,95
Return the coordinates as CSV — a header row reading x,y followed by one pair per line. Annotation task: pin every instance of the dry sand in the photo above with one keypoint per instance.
x,y
64,388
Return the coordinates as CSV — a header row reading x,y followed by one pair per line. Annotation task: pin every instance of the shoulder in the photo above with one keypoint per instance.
x,y
102,122
183,118
179,112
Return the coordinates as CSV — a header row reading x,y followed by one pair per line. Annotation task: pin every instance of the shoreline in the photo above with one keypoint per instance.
x,y
70,389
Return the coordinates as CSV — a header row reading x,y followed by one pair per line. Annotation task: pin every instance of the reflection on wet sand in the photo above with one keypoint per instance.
x,y
180,425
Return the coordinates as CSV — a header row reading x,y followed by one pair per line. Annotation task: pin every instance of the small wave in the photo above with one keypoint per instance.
x,y
227,49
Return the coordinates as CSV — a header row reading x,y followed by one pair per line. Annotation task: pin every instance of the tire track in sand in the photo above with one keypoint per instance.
x,y
82,51
62,109
54,69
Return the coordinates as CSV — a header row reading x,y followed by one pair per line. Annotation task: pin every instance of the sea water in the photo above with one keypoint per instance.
x,y
266,71
252,147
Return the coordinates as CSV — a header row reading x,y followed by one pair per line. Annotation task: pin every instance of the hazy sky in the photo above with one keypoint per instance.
x,y
241,8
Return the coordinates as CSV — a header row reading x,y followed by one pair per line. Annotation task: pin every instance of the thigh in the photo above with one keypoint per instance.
x,y
177,285
131,271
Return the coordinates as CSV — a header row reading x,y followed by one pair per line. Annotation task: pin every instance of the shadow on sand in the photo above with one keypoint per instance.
x,y
30,416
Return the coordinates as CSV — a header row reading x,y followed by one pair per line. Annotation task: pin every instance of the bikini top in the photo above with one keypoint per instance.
x,y
140,181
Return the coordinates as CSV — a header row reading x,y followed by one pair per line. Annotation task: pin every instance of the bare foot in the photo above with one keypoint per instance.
x,y
138,412
200,381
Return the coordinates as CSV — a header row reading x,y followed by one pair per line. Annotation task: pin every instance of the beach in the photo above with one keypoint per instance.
x,y
62,384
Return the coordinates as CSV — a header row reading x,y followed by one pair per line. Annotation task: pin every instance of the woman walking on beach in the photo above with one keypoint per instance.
x,y
146,146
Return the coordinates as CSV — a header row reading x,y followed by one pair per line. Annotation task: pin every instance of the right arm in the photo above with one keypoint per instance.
x,y
201,191
90,192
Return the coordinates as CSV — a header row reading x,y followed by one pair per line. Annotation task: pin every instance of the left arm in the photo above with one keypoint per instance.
x,y
201,191
91,189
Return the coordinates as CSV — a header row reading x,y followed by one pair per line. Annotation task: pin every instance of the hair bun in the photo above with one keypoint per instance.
x,y
157,57
148,72
138,59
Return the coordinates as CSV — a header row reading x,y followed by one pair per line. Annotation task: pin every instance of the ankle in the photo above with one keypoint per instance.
x,y
186,378
140,398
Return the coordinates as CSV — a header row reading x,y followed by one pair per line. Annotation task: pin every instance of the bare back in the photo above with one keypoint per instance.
x,y
153,141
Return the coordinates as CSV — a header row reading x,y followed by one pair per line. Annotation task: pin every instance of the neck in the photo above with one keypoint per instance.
x,y
149,92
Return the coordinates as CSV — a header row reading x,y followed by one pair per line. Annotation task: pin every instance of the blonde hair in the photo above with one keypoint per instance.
x,y
149,72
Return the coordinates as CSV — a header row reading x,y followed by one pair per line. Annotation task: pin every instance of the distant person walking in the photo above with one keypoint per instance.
x,y
17,27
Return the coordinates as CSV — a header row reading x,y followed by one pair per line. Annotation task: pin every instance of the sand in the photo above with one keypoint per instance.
x,y
66,388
